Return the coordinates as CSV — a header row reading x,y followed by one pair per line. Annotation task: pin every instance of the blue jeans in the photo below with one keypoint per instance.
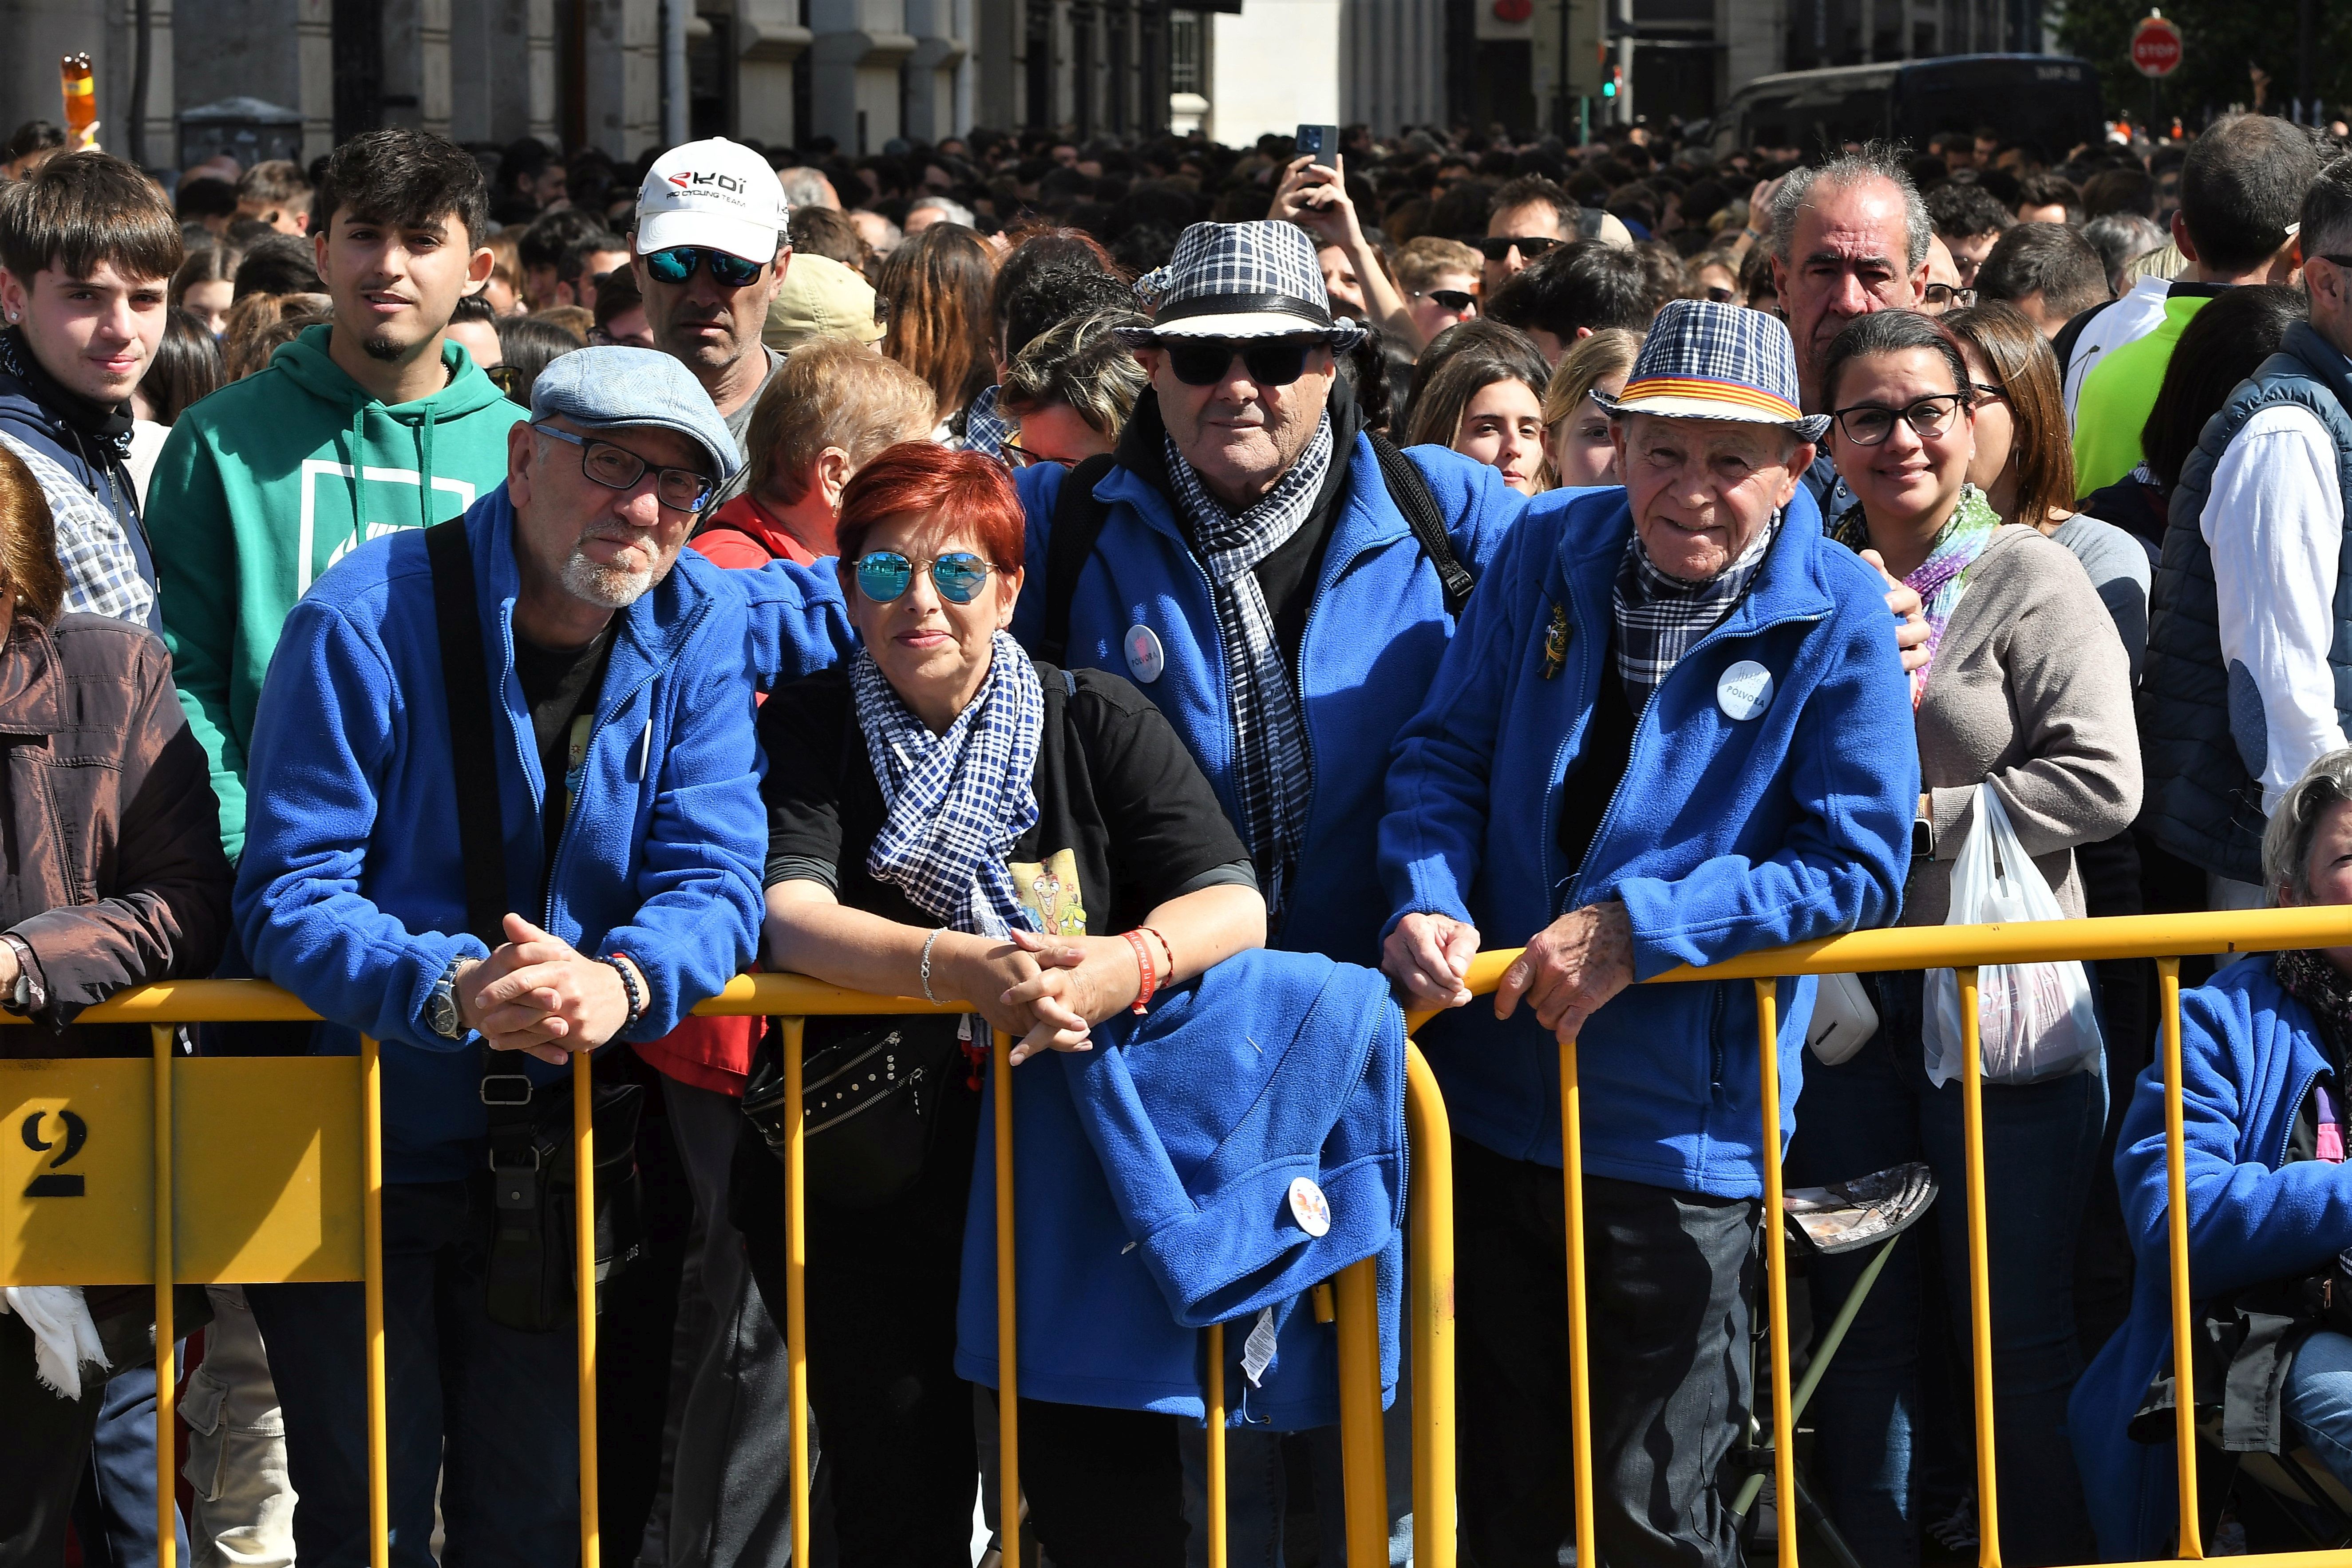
x,y
2318,1399
504,1402
2040,1145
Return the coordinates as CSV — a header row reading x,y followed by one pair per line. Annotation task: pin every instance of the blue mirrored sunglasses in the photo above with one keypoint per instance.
x,y
676,264
884,575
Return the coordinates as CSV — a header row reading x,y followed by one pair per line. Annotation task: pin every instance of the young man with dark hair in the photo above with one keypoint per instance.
x,y
542,250
278,193
2241,185
2047,271
584,261
2049,198
372,423
88,246
1575,291
1969,220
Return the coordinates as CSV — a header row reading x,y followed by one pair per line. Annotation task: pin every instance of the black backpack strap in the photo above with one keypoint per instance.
x,y
481,840
1079,520
473,755
1410,493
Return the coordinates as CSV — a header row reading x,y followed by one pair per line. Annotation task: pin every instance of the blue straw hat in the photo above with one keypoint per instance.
x,y
1704,359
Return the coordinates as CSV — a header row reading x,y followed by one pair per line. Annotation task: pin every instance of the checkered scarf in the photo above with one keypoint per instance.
x,y
1272,775
957,803
1661,618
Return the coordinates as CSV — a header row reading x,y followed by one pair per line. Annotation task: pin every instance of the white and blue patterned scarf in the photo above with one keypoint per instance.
x,y
957,803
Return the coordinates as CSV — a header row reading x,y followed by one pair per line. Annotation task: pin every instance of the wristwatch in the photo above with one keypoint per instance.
x,y
442,1014
23,996
1922,838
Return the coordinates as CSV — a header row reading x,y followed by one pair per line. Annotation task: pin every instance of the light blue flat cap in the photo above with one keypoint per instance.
x,y
606,388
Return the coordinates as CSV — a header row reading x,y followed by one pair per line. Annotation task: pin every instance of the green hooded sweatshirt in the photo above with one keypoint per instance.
x,y
264,484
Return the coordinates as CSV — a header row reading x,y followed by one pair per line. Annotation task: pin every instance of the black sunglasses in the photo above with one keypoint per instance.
x,y
1497,246
509,379
1460,301
676,264
1270,361
618,468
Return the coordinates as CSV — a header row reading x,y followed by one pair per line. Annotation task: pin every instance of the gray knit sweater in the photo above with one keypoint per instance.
x,y
2030,689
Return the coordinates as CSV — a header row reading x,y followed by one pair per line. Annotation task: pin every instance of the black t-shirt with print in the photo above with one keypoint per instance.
x,y
561,686
1122,808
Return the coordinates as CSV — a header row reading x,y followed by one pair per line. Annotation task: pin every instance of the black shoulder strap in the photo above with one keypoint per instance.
x,y
1410,493
1079,520
466,679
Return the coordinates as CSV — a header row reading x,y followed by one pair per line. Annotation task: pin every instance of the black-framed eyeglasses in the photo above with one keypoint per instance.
x,y
958,576
1498,246
1988,390
1020,456
1869,424
618,468
1461,301
1948,296
1270,361
676,264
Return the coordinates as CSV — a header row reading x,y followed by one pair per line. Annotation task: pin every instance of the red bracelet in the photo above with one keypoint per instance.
x,y
1166,952
1143,962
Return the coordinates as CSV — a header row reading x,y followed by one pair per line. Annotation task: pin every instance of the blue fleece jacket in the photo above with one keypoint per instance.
x,y
1373,637
1152,1177
2248,1056
352,892
1726,835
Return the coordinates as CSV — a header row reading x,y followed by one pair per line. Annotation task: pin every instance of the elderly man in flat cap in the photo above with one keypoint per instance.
x,y
1674,727
504,808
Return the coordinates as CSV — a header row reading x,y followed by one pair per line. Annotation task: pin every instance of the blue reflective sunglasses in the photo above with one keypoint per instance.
x,y
884,575
676,264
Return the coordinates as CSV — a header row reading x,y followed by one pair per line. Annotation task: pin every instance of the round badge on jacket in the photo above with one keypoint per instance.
x,y
1145,657
1309,1207
1745,691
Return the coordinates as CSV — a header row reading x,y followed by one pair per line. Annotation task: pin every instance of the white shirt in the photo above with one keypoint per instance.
x,y
2129,318
2274,524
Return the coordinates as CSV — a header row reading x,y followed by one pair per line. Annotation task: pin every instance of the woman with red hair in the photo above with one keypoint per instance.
x,y
949,818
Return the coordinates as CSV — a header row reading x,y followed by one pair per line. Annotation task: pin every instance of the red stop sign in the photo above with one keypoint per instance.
x,y
2156,47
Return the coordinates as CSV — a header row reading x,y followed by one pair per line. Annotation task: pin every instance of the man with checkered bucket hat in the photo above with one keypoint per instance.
x,y
1278,579
1672,727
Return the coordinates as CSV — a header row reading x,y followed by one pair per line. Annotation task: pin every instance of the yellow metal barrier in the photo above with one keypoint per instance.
x,y
314,1123
1966,948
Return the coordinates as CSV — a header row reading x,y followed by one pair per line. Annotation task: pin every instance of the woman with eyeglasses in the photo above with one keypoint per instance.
x,y
950,818
1070,390
2026,688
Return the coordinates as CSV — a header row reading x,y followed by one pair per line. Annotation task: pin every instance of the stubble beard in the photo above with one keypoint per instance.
x,y
611,587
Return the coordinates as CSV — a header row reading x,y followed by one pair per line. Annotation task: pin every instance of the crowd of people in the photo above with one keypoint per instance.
x,y
1183,603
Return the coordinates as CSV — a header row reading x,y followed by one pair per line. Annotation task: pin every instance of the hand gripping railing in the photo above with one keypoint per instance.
x,y
247,1165
2165,938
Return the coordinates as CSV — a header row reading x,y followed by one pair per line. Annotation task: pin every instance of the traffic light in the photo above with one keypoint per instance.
x,y
1613,79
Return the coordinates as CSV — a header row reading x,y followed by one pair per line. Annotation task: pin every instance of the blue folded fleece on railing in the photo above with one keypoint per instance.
x,y
1152,1180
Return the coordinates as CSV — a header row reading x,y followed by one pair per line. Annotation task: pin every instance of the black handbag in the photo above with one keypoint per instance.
x,y
526,1196
871,1093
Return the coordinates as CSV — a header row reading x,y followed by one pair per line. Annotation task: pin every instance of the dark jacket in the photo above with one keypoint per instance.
x,y
111,869
2200,724
91,442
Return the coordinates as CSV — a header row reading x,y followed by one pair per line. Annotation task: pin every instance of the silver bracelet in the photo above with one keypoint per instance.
x,y
927,965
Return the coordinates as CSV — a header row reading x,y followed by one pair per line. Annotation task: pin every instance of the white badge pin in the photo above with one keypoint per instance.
x,y
1309,1207
1745,691
1145,657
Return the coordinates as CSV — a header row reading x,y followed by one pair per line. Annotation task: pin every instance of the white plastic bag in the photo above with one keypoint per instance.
x,y
2034,1020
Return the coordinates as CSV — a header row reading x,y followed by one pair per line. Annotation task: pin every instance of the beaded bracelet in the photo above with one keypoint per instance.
x,y
1143,962
629,987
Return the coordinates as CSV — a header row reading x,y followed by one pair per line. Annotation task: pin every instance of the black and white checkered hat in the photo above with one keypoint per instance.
x,y
1240,280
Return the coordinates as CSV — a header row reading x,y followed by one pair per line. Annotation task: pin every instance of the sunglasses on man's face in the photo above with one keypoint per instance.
x,y
1498,246
677,264
885,574
1461,301
1270,361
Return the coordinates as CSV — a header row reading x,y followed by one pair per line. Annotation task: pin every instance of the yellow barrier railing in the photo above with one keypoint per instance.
x,y
315,1122
1966,948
